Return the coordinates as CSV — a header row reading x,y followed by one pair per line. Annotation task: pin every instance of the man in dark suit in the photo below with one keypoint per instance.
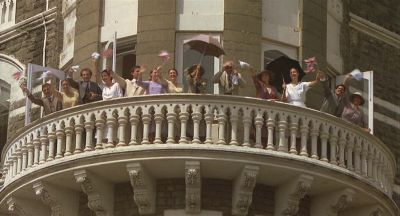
x,y
88,91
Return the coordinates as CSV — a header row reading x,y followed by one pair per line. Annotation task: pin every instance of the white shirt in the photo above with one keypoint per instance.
x,y
296,94
111,92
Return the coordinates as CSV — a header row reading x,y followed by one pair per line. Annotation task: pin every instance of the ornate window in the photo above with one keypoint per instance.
x,y
7,13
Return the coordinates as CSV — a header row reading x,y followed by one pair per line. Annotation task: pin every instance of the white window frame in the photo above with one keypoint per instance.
x,y
180,38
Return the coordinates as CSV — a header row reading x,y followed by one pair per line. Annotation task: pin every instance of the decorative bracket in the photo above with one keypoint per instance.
x,y
332,203
372,210
144,188
100,193
289,194
243,188
61,201
193,187
26,207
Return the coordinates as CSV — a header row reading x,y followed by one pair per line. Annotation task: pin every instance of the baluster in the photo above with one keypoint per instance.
x,y
171,118
196,117
36,143
349,148
183,117
122,122
134,119
364,165
370,160
4,172
270,127
29,146
78,136
60,141
234,119
246,127
111,124
209,117
293,126
324,143
18,153
375,166
11,169
258,121
221,127
146,121
333,143
158,118
282,125
342,146
314,140
357,154
24,151
89,126
52,142
100,122
43,141
69,131
14,164
381,171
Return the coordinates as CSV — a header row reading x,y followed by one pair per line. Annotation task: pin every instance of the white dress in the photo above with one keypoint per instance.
x,y
296,94
111,92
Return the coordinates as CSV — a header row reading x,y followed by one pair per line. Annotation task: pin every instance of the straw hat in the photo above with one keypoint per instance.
x,y
357,94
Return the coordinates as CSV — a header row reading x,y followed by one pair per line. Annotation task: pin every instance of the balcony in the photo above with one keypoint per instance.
x,y
297,151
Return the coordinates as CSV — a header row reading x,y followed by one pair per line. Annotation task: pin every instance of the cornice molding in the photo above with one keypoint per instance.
x,y
27,25
374,30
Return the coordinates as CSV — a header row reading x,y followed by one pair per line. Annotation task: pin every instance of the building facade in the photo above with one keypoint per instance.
x,y
242,156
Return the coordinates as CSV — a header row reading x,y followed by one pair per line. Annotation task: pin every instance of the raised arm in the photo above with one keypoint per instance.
x,y
30,96
217,77
71,81
317,79
96,73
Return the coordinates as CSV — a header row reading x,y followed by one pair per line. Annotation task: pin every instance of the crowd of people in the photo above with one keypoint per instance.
x,y
109,85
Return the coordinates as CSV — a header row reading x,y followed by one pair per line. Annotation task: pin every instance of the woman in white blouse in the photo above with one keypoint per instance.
x,y
295,92
111,89
173,85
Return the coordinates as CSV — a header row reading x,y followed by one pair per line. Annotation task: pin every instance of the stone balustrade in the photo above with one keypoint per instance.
x,y
213,120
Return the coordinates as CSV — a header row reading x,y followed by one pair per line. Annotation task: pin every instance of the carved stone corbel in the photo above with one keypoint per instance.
x,y
144,188
100,193
26,207
289,194
331,203
61,201
243,188
371,210
193,187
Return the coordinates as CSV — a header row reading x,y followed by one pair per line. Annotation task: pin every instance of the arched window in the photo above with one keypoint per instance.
x,y
10,94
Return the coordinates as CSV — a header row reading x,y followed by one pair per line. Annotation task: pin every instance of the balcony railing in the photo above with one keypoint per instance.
x,y
187,119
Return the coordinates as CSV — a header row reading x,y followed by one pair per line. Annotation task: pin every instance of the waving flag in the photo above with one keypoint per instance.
x,y
164,55
243,64
311,65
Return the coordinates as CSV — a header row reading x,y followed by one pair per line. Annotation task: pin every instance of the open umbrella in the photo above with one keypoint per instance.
x,y
205,44
280,66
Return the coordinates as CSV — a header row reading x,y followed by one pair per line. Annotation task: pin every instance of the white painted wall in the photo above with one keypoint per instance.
x,y
120,16
281,21
6,72
200,15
